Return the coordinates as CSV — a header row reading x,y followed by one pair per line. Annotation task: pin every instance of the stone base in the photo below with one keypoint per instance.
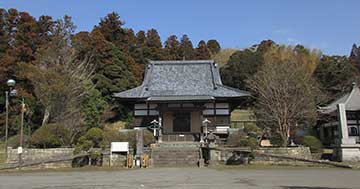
x,y
348,152
201,162
348,141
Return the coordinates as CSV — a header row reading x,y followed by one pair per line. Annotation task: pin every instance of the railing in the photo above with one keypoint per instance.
x,y
184,137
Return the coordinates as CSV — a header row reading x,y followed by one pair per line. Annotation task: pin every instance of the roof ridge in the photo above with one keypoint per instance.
x,y
180,61
350,94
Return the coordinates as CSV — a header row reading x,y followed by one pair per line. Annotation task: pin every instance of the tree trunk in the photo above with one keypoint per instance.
x,y
46,116
284,132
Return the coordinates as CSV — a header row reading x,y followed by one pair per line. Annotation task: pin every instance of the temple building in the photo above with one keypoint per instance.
x,y
341,124
186,98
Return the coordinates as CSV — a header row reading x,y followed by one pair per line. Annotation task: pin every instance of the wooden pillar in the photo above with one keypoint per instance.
x,y
160,123
215,114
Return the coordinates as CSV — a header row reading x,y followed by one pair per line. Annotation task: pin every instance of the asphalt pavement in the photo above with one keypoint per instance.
x,y
283,178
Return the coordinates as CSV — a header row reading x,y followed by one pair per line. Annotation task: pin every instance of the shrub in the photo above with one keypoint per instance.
x,y
313,143
13,141
252,129
233,138
148,138
93,138
50,136
248,142
240,139
95,135
275,139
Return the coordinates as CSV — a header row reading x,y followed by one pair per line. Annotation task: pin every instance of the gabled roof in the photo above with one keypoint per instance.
x,y
351,101
190,79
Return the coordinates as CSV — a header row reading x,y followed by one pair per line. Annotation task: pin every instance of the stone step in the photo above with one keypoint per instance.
x,y
176,163
175,154
178,144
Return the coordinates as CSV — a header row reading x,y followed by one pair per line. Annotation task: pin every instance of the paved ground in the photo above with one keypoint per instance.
x,y
284,178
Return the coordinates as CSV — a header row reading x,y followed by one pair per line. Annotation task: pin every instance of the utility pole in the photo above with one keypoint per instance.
x,y
20,150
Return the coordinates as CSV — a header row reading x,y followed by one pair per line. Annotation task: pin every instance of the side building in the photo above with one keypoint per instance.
x,y
186,98
340,126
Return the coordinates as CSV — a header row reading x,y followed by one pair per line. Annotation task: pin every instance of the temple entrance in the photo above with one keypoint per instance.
x,y
181,125
181,122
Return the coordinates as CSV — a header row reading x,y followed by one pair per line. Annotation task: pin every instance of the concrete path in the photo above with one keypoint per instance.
x,y
284,178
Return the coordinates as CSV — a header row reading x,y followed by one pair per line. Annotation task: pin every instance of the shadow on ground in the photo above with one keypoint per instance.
x,y
307,187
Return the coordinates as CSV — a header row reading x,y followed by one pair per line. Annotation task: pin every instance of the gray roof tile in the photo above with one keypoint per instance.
x,y
181,78
351,101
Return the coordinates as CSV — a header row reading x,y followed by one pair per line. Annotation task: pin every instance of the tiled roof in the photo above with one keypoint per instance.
x,y
181,78
351,101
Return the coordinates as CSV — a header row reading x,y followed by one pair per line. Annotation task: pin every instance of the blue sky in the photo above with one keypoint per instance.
x,y
329,25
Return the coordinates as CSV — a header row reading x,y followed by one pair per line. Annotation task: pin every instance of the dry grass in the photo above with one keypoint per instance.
x,y
115,126
242,115
2,152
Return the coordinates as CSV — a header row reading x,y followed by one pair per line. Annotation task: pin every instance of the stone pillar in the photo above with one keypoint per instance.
x,y
343,127
139,142
347,149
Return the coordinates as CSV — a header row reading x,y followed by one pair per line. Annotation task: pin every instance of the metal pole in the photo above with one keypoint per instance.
x,y
6,122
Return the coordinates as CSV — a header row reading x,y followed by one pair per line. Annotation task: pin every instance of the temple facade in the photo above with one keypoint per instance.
x,y
186,99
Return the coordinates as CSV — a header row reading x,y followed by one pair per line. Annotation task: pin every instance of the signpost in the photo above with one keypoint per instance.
x,y
119,147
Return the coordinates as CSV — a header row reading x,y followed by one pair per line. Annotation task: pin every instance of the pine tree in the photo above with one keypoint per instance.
x,y
186,50
202,52
172,47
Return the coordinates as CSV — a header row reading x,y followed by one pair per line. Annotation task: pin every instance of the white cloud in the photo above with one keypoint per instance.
x,y
281,31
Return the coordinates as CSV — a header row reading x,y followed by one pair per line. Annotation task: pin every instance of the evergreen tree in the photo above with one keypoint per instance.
x,y
213,46
140,38
137,52
172,47
355,56
5,38
111,28
243,64
335,75
26,38
112,72
4,32
186,49
153,46
202,52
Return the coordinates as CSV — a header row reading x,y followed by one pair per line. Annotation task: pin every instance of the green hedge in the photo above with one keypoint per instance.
x,y
50,136
313,143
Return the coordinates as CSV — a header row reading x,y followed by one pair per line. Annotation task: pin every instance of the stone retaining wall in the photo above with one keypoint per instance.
x,y
39,155
224,154
296,152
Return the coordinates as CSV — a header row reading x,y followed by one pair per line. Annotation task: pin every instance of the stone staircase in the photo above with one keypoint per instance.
x,y
175,154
